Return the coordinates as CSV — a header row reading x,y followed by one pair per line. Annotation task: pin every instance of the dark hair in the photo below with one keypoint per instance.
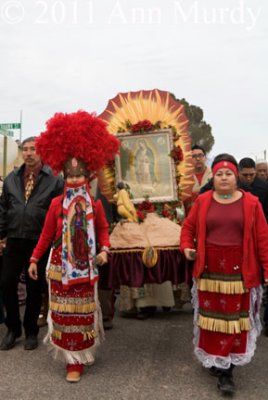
x,y
197,147
121,185
246,163
224,157
29,139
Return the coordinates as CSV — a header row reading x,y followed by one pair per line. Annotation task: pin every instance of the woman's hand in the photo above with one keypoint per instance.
x,y
266,282
190,254
102,258
32,271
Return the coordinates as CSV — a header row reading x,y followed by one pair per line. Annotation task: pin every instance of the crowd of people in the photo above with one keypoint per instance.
x,y
53,229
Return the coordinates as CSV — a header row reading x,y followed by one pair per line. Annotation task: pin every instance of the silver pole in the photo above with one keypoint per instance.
x,y
20,126
4,156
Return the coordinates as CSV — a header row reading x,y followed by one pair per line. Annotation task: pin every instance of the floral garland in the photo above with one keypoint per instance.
x,y
143,208
140,127
164,210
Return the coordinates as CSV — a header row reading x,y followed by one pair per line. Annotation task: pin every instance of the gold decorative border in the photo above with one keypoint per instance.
x,y
220,325
158,107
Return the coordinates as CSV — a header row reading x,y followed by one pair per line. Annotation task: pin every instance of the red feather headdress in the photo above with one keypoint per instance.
x,y
77,135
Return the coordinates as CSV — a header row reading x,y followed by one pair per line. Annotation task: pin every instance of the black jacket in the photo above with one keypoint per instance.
x,y
260,189
25,221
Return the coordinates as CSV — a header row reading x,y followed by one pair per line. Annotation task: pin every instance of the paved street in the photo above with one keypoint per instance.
x,y
151,359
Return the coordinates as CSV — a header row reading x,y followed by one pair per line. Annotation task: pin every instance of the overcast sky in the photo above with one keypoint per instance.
x,y
77,54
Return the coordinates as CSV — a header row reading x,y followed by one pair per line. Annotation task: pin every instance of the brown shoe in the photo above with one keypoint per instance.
x,y
42,320
73,376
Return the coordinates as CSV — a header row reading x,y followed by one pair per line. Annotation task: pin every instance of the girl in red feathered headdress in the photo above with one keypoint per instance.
x,y
79,145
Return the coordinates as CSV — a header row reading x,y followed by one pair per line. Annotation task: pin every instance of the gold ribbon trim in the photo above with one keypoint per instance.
x,y
86,335
56,334
73,308
89,335
55,272
54,275
141,250
219,325
216,286
73,328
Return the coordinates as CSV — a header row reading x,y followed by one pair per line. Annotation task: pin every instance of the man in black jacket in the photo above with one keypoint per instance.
x,y
247,175
27,193
258,187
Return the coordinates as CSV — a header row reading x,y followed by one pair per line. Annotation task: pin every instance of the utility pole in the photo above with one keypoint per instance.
x,y
4,156
20,126
264,153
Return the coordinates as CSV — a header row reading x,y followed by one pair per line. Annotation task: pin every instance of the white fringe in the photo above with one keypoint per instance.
x,y
209,360
86,356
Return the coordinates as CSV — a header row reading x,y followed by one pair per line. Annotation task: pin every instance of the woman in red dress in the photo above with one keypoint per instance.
x,y
226,235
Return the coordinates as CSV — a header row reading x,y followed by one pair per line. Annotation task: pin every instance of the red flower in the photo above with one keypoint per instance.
x,y
177,154
146,206
142,126
166,214
140,215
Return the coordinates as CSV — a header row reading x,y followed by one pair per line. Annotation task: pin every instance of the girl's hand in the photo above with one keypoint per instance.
x,y
190,254
102,258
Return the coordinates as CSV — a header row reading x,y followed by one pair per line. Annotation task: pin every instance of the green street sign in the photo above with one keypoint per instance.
x,y
6,133
15,125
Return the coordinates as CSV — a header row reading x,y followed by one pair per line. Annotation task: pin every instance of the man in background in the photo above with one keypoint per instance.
x,y
201,175
106,295
259,187
26,197
262,169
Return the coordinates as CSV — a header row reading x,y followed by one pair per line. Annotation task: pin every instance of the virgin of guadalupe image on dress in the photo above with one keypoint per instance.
x,y
78,235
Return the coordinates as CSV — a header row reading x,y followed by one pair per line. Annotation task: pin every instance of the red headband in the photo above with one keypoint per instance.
x,y
224,164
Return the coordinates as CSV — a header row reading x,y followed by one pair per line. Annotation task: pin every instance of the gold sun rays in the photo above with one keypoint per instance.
x,y
153,105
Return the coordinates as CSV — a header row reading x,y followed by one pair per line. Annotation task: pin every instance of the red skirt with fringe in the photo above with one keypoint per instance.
x,y
223,303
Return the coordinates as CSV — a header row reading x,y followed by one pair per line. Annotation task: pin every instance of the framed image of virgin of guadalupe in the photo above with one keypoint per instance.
x,y
144,163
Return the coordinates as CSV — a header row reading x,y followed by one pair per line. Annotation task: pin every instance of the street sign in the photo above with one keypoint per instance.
x,y
15,125
6,132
